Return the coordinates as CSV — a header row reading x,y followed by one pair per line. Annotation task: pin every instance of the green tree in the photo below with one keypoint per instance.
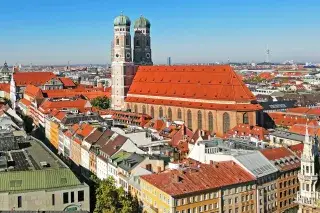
x,y
101,102
110,199
27,123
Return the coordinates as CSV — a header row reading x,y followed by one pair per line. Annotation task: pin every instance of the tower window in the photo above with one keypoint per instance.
x,y
137,43
117,41
148,43
127,42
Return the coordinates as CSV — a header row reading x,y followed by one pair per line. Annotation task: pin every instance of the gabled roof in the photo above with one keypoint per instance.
x,y
67,82
198,179
282,158
33,91
218,82
25,102
79,104
33,78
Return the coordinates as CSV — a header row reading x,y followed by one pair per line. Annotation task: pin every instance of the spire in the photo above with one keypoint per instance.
x,y
306,138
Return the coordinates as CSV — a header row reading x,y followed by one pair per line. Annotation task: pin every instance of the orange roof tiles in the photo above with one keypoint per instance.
x,y
282,157
33,91
89,93
218,82
247,130
297,149
34,78
5,87
67,82
25,102
283,119
60,115
49,105
197,179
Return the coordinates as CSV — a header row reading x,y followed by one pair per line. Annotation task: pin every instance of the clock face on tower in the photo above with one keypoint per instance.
x,y
128,55
148,55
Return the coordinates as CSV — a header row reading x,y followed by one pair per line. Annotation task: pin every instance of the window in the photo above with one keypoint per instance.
x,y
137,43
135,108
179,114
152,112
189,119
144,111
160,112
226,122
245,118
117,41
80,196
53,200
65,198
127,42
128,107
19,201
169,113
148,43
72,197
199,120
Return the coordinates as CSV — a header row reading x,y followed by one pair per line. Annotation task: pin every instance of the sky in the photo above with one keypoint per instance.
x,y
189,31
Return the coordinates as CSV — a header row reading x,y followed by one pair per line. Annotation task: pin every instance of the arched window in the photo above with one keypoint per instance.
x,y
152,112
135,108
179,114
144,110
210,121
245,118
127,42
148,43
169,114
199,120
226,122
160,112
189,119
117,41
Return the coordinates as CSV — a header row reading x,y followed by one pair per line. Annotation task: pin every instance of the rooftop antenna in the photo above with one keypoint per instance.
x,y
267,54
228,60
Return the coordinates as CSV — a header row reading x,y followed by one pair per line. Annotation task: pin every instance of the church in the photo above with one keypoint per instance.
x,y
211,98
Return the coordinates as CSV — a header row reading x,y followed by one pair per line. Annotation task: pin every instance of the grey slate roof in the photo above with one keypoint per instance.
x,y
288,135
256,163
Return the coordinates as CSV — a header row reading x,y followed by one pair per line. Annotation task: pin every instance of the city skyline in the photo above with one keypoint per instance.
x,y
81,32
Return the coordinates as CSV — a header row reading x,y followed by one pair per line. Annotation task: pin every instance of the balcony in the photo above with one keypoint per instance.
x,y
306,201
308,177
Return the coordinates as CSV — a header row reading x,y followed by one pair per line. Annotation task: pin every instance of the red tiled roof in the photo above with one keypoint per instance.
x,y
302,110
297,149
247,130
284,119
197,105
33,78
33,91
25,102
5,87
60,115
197,179
67,82
218,82
157,124
90,93
79,104
281,157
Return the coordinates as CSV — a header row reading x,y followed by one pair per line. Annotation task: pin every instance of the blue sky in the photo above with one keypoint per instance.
x,y
56,31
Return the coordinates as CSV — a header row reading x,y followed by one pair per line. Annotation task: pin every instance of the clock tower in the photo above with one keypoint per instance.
x,y
122,68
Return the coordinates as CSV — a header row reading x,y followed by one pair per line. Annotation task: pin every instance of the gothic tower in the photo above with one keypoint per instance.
x,y
142,42
122,68
309,174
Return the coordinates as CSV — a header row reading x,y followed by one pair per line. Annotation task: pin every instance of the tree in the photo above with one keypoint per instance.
x,y
110,199
27,123
101,102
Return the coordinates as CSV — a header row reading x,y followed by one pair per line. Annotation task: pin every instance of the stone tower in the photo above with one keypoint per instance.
x,y
308,196
142,42
123,69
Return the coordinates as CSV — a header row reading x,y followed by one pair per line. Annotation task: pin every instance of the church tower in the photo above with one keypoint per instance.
x,y
142,42
308,196
122,68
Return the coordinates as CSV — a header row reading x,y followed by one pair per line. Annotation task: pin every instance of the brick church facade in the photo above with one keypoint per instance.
x,y
205,97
